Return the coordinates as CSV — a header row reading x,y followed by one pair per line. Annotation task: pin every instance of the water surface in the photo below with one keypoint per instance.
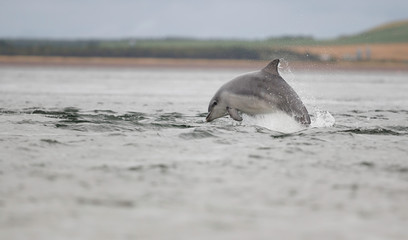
x,y
88,153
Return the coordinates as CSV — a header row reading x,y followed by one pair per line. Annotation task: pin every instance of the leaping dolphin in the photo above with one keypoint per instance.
x,y
259,92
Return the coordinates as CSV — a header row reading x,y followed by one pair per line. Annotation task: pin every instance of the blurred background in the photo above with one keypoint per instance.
x,y
366,32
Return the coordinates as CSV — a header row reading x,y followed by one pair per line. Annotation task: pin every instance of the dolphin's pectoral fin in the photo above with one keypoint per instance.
x,y
234,114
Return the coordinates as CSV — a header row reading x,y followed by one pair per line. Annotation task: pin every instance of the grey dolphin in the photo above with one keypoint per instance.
x,y
259,92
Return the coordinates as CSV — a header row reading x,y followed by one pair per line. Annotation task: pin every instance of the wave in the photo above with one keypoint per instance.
x,y
378,131
194,126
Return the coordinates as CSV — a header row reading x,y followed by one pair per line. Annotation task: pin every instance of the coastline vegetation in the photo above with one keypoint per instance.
x,y
178,47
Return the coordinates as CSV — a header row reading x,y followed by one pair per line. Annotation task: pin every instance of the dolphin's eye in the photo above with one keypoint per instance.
x,y
214,103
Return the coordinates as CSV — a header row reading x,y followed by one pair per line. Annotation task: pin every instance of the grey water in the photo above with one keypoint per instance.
x,y
116,153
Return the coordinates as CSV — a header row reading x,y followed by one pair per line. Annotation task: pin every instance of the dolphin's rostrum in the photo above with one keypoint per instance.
x,y
259,92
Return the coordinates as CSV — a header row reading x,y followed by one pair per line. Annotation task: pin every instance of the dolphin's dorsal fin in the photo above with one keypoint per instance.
x,y
272,67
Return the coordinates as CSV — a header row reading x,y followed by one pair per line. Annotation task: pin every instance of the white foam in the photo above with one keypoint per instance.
x,y
279,122
322,119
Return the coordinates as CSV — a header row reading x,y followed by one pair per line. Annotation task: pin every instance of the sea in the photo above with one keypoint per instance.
x,y
126,153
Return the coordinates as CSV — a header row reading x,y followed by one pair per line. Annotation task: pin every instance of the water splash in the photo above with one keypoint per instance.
x,y
319,118
278,122
285,70
281,122
322,119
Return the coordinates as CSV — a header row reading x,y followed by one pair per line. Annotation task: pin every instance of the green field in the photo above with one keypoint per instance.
x,y
396,32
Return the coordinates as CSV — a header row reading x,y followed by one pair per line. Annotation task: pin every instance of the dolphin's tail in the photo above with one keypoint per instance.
x,y
293,105
304,119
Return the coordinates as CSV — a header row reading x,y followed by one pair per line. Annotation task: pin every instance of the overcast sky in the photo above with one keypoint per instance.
x,y
251,19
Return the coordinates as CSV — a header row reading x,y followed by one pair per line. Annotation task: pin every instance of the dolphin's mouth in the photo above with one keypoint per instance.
x,y
208,118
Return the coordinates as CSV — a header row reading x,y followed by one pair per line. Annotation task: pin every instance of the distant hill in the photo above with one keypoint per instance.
x,y
394,32
289,47
387,42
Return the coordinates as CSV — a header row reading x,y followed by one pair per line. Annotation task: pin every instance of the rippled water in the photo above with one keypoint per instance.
x,y
123,153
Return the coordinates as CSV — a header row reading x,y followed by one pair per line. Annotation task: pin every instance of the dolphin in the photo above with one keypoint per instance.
x,y
259,92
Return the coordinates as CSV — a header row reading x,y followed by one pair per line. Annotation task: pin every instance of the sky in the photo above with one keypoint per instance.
x,y
251,19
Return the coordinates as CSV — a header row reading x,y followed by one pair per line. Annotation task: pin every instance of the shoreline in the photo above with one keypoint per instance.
x,y
101,62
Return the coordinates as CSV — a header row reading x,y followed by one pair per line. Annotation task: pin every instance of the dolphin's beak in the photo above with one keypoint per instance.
x,y
208,118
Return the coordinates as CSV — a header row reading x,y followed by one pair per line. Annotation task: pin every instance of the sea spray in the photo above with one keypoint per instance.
x,y
279,122
319,118
322,119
